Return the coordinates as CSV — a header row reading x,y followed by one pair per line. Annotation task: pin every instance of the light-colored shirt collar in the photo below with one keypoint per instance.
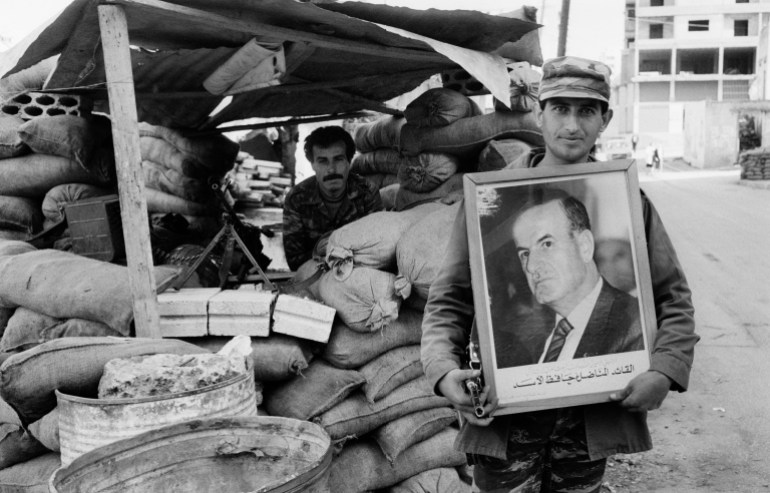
x,y
578,318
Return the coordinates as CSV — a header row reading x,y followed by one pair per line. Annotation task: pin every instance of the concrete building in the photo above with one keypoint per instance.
x,y
694,78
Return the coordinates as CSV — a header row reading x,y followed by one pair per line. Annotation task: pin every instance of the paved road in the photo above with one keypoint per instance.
x,y
716,437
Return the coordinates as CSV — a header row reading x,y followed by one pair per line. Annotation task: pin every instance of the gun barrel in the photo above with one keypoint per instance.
x,y
474,389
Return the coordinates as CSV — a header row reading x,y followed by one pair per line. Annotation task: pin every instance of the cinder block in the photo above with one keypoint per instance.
x,y
303,318
34,104
184,313
236,312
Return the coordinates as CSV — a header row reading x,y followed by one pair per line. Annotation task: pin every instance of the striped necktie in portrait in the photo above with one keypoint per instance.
x,y
557,341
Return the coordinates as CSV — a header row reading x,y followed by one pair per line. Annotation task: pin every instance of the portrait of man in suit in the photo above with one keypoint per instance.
x,y
572,311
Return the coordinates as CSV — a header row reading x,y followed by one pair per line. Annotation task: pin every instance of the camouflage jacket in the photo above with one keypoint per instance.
x,y
306,218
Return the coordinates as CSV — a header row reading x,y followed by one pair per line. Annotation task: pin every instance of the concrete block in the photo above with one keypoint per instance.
x,y
236,312
35,104
184,313
303,318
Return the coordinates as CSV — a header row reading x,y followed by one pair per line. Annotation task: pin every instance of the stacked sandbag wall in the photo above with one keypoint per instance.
x,y
755,164
366,385
421,156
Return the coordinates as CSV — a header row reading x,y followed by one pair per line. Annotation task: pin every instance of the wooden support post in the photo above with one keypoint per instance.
x,y
128,160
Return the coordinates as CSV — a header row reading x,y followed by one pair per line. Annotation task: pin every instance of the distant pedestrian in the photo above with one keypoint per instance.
x,y
634,141
649,154
656,159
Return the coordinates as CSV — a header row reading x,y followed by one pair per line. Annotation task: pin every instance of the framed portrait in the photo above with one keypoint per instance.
x,y
561,282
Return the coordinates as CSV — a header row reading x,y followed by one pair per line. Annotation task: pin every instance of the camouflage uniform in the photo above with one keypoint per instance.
x,y
306,219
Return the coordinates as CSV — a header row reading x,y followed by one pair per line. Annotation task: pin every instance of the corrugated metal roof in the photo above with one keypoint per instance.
x,y
339,58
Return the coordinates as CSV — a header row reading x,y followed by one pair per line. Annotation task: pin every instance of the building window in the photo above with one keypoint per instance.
x,y
741,28
698,25
656,3
656,31
741,1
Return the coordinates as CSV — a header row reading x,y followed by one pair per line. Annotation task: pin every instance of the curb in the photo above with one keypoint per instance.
x,y
758,184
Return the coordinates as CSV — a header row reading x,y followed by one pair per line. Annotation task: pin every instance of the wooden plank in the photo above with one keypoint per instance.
x,y
277,33
303,318
125,135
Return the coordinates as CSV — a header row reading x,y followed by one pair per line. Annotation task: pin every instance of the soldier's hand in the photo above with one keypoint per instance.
x,y
452,386
644,392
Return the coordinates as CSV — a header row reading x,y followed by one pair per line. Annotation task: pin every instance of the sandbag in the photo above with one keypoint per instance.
x,y
276,358
383,161
361,466
158,201
10,141
438,107
371,240
20,214
351,349
420,252
160,151
426,171
33,175
5,316
449,192
46,430
12,247
355,416
365,301
87,141
72,365
440,480
500,153
527,48
313,392
398,435
54,283
466,137
214,152
61,195
31,78
30,476
524,88
391,370
27,329
12,234
17,445
388,196
384,133
171,181
381,180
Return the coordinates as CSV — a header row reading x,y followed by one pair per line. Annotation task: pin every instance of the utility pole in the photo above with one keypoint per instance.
x,y
561,50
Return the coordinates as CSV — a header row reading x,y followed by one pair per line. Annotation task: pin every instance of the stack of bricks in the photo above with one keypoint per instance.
x,y
29,105
755,164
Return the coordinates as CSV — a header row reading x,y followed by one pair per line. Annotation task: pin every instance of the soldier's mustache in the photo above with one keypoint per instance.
x,y
333,177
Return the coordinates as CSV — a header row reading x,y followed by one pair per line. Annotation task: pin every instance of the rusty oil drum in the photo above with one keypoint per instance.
x,y
86,424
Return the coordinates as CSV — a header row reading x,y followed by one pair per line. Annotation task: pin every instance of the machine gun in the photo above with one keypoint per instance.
x,y
474,386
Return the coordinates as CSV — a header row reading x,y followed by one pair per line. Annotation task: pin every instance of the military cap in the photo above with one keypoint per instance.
x,y
573,77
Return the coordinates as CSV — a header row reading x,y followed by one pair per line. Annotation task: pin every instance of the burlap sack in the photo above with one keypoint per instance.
x,y
171,181
466,137
158,201
52,282
384,133
20,214
73,365
16,446
276,358
498,154
420,252
524,88
396,436
380,181
33,175
365,301
440,480
313,392
391,370
438,107
12,247
159,151
449,192
10,141
426,171
371,240
388,195
361,466
214,152
351,349
355,416
30,476
87,141
27,329
382,161
46,430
